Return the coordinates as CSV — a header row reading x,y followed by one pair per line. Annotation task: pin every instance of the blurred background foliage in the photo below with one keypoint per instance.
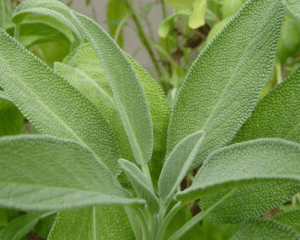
x,y
181,36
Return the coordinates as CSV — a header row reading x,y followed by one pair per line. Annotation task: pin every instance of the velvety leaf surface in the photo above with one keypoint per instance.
x,y
44,173
94,223
20,226
293,8
276,115
2,14
52,8
265,229
51,104
128,92
140,184
290,218
177,164
223,84
260,175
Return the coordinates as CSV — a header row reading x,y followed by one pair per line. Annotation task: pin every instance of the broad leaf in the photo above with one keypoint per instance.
x,y
260,175
2,14
293,9
51,8
179,4
51,104
218,98
231,7
128,91
265,229
140,184
20,226
48,173
276,115
177,165
97,223
290,218
11,119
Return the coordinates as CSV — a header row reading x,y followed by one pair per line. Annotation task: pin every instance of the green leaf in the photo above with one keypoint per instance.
x,y
87,2
216,29
231,7
218,98
177,165
51,8
167,24
97,223
290,218
146,10
293,9
3,217
2,14
11,119
179,4
128,92
197,19
116,11
261,174
265,229
38,91
20,226
43,227
140,184
50,174
276,115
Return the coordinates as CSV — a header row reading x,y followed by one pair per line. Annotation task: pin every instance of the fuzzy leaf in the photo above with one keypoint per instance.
x,y
262,174
52,105
140,184
217,98
95,223
52,8
20,226
177,164
277,115
293,8
128,92
45,173
265,229
290,218
2,14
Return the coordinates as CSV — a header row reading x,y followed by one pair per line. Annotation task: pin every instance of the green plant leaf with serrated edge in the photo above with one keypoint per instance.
x,y
141,184
177,164
243,52
64,121
89,223
252,172
290,218
128,91
265,229
20,226
68,176
51,8
276,115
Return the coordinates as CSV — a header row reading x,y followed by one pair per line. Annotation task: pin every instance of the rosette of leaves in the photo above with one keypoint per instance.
x,y
110,158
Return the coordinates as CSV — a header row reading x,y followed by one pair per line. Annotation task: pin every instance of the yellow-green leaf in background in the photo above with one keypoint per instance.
x,y
197,19
180,4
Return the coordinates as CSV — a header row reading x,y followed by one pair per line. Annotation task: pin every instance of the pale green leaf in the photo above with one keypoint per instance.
x,y
20,226
146,10
277,115
128,92
293,8
290,218
265,229
167,24
177,165
95,223
261,174
2,14
231,7
52,105
180,4
51,8
45,173
223,84
197,19
140,184
216,29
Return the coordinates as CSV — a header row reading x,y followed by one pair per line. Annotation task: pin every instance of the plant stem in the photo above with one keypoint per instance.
x,y
168,219
17,31
120,27
191,223
143,37
134,223
164,9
